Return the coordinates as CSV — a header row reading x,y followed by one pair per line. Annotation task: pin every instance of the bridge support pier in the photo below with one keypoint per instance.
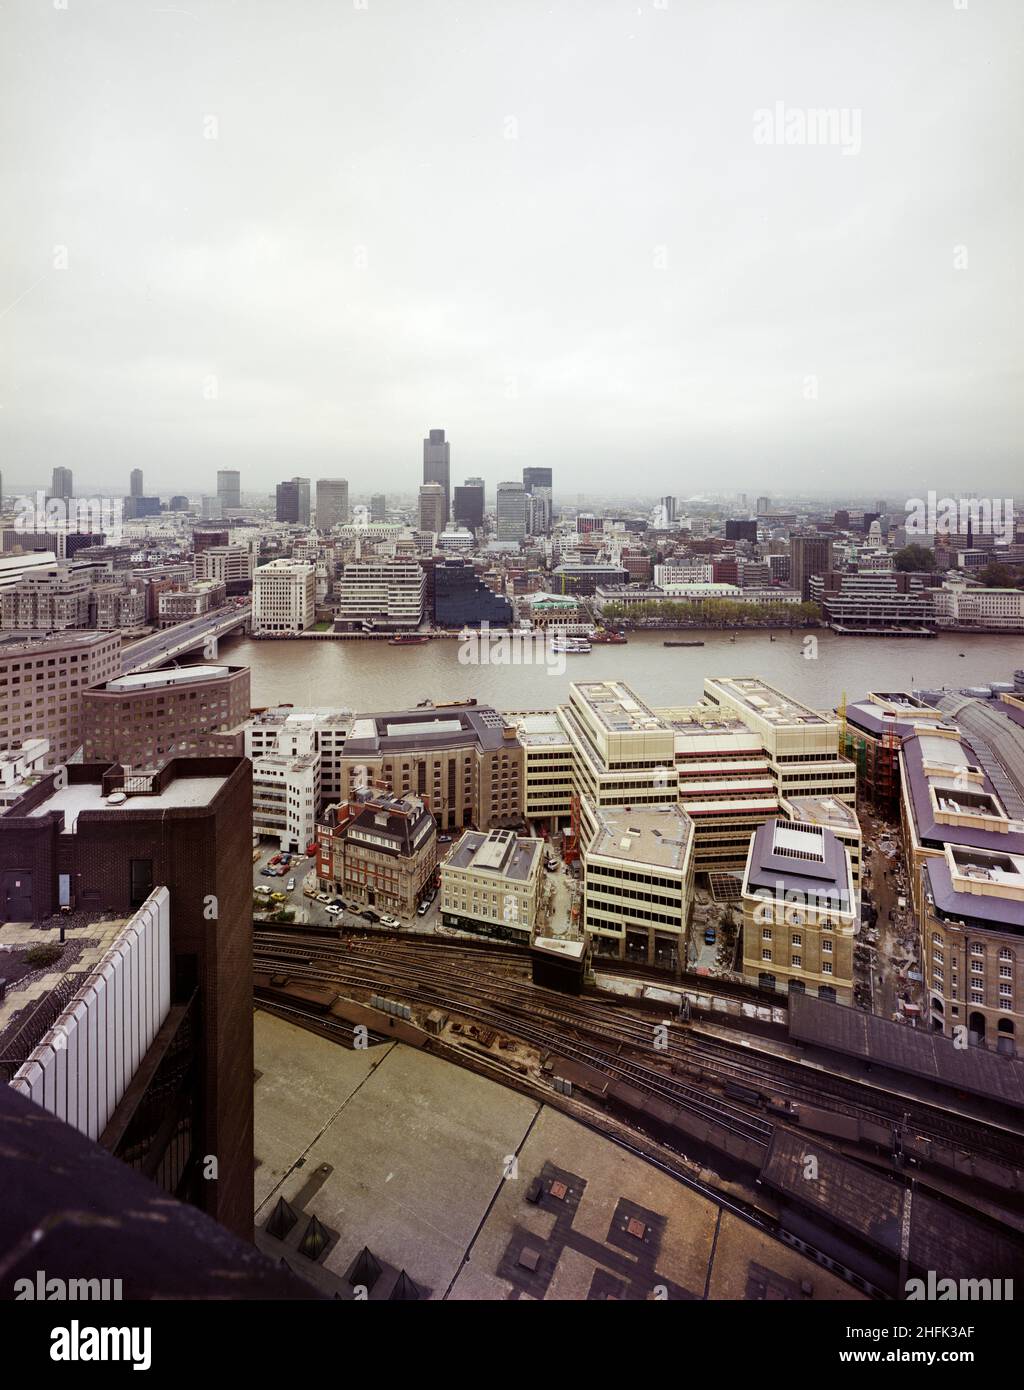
x,y
210,648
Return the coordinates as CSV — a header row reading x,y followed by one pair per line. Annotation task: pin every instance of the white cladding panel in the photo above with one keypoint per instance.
x,y
84,1064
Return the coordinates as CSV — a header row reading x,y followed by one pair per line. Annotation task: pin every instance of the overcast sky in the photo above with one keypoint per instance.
x,y
299,235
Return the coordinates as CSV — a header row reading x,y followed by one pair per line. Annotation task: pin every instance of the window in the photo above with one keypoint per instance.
x,y
141,880
826,968
766,955
826,946
796,960
766,934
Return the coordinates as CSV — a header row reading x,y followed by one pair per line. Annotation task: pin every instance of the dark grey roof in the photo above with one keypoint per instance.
x,y
971,908
479,724
936,833
912,1050
827,878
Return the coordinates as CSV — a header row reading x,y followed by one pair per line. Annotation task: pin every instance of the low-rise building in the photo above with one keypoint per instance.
x,y
286,798
799,911
382,591
490,884
379,850
194,601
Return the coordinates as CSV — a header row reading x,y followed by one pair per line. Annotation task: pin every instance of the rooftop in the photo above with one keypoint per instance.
x,y
180,675
763,700
823,810
804,859
499,852
660,836
617,706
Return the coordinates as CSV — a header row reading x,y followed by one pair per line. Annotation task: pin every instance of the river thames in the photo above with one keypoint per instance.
x,y
366,676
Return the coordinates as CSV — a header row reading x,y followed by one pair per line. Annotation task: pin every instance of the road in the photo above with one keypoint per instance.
x,y
182,638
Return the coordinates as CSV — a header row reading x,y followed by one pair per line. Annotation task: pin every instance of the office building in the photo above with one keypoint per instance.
x,y
380,592
194,600
638,868
229,483
54,599
462,599
62,484
464,761
332,507
290,732
740,530
378,850
293,501
186,711
230,565
41,685
547,767
432,508
175,844
437,467
809,554
800,911
511,520
491,884
286,798
135,483
468,505
283,598
378,507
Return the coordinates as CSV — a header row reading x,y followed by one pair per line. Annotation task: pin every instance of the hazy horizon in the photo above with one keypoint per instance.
x,y
293,240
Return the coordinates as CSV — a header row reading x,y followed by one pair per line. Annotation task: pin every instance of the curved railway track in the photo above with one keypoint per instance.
x,y
500,977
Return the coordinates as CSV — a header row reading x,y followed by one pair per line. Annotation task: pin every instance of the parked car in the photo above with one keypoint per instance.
x,y
370,915
444,839
274,859
551,865
423,908
332,909
338,902
323,898
263,890
311,848
387,921
279,897
290,885
709,936
267,873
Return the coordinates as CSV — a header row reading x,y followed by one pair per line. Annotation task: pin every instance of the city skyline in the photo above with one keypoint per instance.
x,y
202,283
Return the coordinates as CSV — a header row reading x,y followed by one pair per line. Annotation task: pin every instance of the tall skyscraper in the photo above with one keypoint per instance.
x,y
537,482
511,511
62,484
763,503
437,466
293,501
468,504
432,508
229,489
669,507
809,554
378,507
135,482
331,503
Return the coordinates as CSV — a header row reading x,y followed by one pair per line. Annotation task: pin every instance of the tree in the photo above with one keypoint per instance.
x,y
914,557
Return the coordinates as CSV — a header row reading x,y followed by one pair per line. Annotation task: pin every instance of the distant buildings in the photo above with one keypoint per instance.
x,y
332,507
537,483
62,484
808,555
432,508
380,591
462,599
437,467
229,490
511,518
283,598
468,505
293,501
135,483
378,507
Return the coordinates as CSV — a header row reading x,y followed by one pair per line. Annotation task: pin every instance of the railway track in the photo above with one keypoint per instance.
x,y
544,1029
500,977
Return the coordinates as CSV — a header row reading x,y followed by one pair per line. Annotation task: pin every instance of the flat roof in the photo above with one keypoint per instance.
x,y
658,836
181,792
498,852
181,675
915,1050
617,706
823,810
764,700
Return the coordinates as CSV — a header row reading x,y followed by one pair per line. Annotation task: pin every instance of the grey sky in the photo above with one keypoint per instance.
x,y
630,288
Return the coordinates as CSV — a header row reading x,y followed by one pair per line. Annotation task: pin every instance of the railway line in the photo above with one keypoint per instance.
x,y
542,1027
494,988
